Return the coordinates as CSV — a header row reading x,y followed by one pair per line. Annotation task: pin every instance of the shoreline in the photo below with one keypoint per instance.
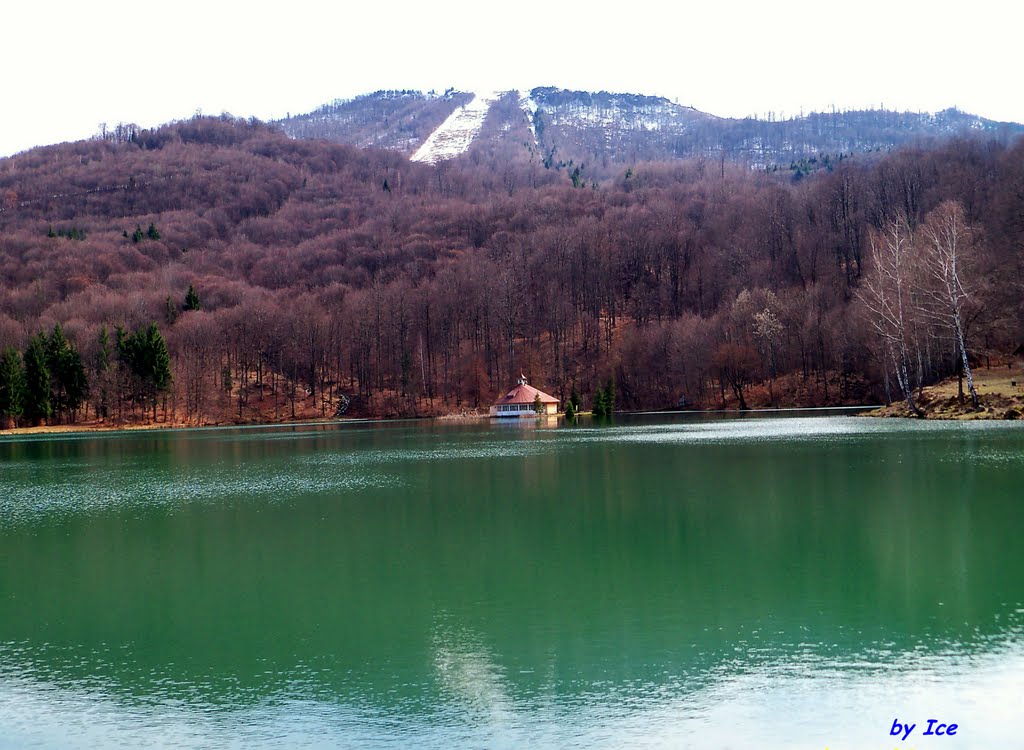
x,y
88,428
95,428
1000,395
937,403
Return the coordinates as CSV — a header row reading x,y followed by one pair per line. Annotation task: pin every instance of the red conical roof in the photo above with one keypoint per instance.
x,y
524,393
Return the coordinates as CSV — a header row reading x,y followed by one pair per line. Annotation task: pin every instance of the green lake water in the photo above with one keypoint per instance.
x,y
666,581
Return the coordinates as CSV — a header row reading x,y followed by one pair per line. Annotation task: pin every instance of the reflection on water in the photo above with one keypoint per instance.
x,y
665,582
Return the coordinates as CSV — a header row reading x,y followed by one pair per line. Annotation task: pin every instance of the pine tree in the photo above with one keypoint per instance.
x,y
74,380
161,363
37,381
599,404
145,355
126,380
12,387
152,232
574,398
55,346
538,405
69,385
609,398
570,411
192,299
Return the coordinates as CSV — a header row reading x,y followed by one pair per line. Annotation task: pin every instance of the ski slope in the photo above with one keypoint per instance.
x,y
456,133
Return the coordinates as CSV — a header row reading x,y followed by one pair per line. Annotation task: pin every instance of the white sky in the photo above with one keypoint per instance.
x,y
69,65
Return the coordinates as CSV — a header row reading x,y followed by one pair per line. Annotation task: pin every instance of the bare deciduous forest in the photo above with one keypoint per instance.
x,y
287,278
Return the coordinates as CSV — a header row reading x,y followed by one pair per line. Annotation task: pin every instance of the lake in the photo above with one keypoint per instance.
x,y
664,581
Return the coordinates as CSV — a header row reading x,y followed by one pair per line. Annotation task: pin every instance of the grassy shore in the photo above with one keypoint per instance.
x,y
1001,392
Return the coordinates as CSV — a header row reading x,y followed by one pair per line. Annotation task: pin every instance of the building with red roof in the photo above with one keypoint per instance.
x,y
521,401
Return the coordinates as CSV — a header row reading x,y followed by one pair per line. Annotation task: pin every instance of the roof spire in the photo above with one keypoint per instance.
x,y
522,379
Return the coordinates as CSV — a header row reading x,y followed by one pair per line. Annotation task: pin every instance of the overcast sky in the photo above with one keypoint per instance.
x,y
68,66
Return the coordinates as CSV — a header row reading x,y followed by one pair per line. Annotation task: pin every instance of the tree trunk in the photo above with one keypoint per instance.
x,y
960,383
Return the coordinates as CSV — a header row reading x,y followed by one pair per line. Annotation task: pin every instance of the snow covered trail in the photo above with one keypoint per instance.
x,y
529,107
457,132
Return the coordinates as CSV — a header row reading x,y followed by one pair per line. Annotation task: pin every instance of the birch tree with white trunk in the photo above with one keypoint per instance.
x,y
947,248
887,293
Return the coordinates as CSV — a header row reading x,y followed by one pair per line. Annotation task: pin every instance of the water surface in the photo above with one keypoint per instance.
x,y
663,582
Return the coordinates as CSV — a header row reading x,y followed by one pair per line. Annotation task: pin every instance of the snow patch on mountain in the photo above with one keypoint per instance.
x,y
620,113
529,106
456,133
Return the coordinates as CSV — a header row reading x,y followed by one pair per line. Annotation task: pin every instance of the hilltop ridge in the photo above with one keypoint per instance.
x,y
600,129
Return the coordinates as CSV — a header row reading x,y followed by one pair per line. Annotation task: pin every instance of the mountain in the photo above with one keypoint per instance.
x,y
561,128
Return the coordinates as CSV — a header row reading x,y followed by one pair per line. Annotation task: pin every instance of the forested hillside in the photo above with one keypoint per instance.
x,y
599,129
398,120
290,276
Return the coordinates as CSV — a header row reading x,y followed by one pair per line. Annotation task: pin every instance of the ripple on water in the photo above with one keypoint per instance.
x,y
442,452
989,456
789,429
25,502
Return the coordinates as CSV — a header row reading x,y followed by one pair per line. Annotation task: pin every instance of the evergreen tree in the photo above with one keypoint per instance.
x,y
599,404
69,385
137,235
55,344
161,363
126,380
12,387
538,405
570,411
574,399
37,381
122,345
146,356
161,357
192,299
152,232
609,398
74,380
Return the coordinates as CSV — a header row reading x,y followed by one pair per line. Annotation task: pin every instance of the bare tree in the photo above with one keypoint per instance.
x,y
886,293
946,252
768,331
